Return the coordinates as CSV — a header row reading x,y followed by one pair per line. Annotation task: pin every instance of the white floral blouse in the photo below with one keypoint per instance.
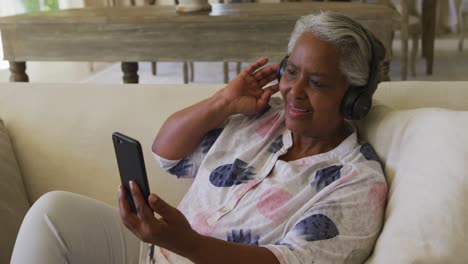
x,y
326,208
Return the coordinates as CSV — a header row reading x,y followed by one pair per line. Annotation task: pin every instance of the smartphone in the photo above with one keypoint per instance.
x,y
131,166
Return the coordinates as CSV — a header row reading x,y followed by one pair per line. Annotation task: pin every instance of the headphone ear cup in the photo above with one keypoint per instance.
x,y
282,68
357,100
347,104
362,106
356,103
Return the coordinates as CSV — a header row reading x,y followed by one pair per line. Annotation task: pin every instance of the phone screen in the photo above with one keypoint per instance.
x,y
131,165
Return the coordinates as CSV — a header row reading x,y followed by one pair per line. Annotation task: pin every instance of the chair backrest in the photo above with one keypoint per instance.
x,y
403,8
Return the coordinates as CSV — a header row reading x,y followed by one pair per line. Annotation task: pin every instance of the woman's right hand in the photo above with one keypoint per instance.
x,y
183,131
245,93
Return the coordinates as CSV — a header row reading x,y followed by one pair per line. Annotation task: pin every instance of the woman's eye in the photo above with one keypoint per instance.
x,y
291,72
317,84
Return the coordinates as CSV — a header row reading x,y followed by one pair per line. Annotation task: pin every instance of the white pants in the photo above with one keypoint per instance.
x,y
63,227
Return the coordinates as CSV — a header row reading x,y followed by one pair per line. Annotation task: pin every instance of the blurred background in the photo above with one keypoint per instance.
x,y
449,62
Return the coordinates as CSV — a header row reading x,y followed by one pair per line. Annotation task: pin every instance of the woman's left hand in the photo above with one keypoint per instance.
x,y
172,231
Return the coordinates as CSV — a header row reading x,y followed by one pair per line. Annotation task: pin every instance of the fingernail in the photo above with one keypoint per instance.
x,y
131,184
118,189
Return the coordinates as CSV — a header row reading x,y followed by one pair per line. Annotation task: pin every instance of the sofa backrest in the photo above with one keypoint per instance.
x,y
415,94
61,133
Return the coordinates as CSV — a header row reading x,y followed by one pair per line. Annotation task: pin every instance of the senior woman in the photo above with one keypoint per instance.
x,y
277,180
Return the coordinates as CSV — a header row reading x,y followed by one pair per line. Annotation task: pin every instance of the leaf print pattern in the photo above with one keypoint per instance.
x,y
182,168
210,138
369,153
152,259
316,227
232,174
243,237
276,145
326,176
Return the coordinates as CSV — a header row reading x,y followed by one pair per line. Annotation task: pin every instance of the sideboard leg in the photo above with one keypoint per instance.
x,y
130,71
18,72
186,70
226,71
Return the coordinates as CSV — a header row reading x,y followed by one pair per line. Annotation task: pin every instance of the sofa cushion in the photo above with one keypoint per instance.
x,y
13,200
426,164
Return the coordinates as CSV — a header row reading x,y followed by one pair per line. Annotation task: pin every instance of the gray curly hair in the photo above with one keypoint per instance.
x,y
345,34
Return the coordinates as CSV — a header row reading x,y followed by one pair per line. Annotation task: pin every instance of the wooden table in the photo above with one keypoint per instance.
x,y
230,32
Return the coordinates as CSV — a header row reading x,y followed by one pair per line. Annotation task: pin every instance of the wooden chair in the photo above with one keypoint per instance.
x,y
462,9
238,63
409,25
187,66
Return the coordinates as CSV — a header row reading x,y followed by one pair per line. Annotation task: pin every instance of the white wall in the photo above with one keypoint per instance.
x,y
3,64
65,4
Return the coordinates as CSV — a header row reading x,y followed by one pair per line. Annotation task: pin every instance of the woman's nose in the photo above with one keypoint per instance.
x,y
298,89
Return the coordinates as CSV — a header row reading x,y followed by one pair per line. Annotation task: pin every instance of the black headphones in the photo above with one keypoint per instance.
x,y
357,100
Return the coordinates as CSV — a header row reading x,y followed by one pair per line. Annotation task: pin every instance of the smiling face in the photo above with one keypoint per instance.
x,y
312,88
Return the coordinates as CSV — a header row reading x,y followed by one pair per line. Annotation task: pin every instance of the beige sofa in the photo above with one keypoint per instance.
x,y
61,140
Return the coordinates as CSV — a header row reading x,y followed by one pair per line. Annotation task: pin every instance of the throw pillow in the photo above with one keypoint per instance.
x,y
425,157
13,200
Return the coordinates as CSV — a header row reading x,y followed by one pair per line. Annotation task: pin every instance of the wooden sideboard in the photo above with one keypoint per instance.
x,y
230,32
